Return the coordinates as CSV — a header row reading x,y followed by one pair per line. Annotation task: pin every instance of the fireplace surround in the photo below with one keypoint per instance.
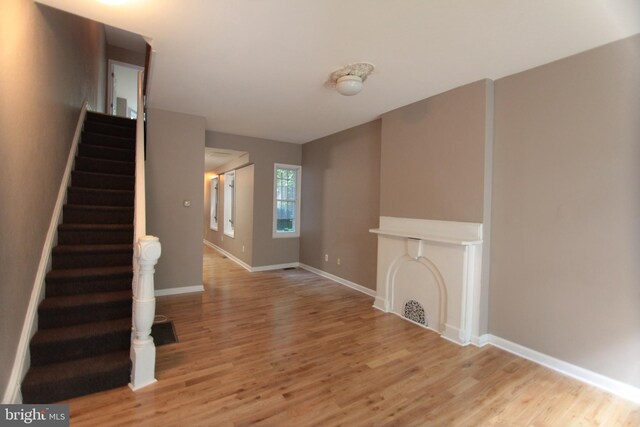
x,y
429,273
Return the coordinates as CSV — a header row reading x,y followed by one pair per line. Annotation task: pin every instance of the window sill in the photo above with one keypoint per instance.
x,y
286,235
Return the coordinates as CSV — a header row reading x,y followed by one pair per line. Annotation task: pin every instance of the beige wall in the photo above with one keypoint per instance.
x,y
340,203
264,154
175,167
241,245
51,62
566,210
433,157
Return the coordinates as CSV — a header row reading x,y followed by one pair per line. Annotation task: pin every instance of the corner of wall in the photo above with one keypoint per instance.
x,y
487,206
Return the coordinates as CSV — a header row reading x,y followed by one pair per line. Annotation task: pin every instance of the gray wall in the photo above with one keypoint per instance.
x,y
125,55
174,168
264,154
433,157
566,210
51,62
340,203
241,245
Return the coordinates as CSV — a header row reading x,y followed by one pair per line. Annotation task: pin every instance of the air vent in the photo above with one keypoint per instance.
x,y
414,311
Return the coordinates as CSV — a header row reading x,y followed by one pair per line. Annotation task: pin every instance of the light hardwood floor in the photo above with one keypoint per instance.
x,y
289,348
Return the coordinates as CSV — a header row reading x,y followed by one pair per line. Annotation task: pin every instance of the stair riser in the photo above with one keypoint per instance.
x,y
109,182
88,216
90,260
80,348
108,129
108,141
77,287
56,318
63,390
88,164
77,196
106,153
74,237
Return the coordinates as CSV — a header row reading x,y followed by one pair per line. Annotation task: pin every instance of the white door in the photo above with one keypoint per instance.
x,y
123,89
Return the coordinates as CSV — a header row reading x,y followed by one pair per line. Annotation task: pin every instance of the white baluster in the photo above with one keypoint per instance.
x,y
143,351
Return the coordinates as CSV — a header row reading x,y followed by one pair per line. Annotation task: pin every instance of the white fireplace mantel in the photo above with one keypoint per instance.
x,y
434,266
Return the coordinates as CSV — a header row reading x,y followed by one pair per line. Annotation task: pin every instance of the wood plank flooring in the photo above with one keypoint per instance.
x,y
289,348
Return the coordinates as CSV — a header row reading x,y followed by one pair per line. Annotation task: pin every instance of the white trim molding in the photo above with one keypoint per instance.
x,y
340,280
623,390
247,266
286,234
177,291
12,394
436,265
273,267
228,255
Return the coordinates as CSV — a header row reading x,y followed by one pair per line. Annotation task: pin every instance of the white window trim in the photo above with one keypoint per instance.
x,y
287,234
213,219
229,216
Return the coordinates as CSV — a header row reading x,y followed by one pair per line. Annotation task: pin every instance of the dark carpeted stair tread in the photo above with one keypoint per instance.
x,y
74,281
98,249
108,141
95,214
106,166
91,255
113,129
67,310
83,234
88,273
96,227
101,152
46,336
100,196
79,341
71,301
61,381
102,180
93,116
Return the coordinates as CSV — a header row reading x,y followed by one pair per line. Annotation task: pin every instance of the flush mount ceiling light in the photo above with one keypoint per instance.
x,y
348,79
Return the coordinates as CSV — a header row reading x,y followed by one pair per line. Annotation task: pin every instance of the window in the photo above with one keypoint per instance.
x,y
214,204
229,203
286,203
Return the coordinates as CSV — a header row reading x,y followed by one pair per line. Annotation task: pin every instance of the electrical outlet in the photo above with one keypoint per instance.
x,y
186,203
326,257
338,261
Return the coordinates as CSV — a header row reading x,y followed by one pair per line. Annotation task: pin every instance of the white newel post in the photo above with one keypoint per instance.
x,y
143,350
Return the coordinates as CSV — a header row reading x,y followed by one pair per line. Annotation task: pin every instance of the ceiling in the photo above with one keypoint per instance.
x,y
258,68
214,157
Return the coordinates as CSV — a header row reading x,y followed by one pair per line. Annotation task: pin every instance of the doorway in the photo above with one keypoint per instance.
x,y
123,89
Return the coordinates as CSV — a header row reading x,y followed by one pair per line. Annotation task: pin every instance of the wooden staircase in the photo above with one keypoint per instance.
x,y
84,322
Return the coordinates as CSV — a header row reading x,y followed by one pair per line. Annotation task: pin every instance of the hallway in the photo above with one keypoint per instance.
x,y
292,348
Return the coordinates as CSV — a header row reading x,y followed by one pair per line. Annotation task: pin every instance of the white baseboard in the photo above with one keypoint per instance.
x,y
12,393
340,280
274,267
247,266
228,255
600,381
176,291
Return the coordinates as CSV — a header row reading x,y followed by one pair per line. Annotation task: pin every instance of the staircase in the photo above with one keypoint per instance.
x,y
84,322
